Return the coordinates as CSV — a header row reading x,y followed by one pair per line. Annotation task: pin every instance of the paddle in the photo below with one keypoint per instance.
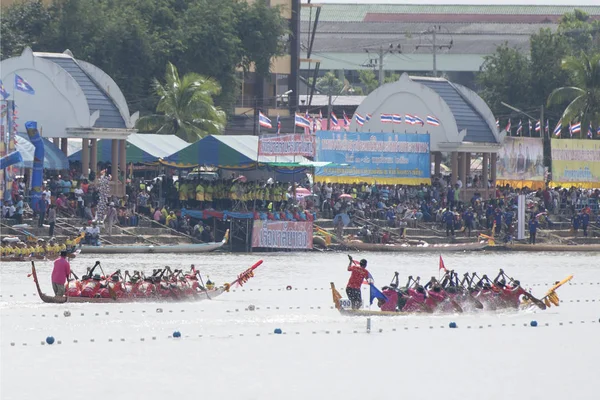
x,y
202,282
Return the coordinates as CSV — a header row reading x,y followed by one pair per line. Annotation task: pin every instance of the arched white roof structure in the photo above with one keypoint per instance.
x,y
72,98
466,124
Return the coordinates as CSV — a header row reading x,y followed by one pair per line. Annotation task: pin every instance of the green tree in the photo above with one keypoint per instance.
x,y
584,95
368,79
505,77
23,25
330,84
391,78
581,32
186,107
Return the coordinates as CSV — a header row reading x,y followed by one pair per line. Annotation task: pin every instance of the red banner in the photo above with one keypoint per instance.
x,y
282,234
287,145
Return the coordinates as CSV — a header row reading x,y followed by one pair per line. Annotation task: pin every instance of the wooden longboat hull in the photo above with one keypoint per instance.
x,y
552,247
436,248
137,249
209,294
38,258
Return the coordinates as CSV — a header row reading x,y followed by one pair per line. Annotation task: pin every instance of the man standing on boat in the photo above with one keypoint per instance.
x,y
60,274
359,273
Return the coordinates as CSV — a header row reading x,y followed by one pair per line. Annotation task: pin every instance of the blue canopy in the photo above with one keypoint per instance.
x,y
54,158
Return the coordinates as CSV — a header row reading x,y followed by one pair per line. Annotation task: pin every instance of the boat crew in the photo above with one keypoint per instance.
x,y
359,274
60,274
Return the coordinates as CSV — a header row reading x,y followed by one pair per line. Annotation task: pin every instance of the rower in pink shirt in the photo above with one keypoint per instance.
x,y
60,274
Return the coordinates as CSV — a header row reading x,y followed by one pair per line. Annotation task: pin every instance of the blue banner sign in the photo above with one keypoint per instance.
x,y
383,158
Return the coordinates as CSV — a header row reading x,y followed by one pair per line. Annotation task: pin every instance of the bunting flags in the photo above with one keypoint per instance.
x,y
396,118
264,121
409,119
436,122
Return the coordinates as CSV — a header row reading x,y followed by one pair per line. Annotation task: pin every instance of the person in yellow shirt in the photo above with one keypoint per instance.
x,y
182,194
208,194
200,194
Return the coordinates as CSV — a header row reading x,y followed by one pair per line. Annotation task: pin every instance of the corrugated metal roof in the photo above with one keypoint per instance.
x,y
358,12
110,117
466,116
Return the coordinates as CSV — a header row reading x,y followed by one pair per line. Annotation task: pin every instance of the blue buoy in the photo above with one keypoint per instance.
x,y
50,339
277,331
176,334
452,325
533,323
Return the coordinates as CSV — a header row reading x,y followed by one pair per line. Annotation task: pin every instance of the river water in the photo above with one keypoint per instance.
x,y
227,351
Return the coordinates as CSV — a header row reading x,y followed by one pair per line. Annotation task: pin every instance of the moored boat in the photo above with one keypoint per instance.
x,y
420,248
140,249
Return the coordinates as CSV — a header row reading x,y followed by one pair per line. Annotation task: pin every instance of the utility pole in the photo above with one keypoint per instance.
x,y
381,53
435,46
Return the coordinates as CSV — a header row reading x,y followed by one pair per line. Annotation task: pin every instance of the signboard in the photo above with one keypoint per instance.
x,y
521,159
282,234
384,158
576,162
287,145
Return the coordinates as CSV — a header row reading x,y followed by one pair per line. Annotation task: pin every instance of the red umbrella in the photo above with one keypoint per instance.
x,y
302,191
346,196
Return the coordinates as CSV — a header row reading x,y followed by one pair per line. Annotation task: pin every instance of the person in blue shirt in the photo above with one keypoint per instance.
x,y
468,218
450,198
508,219
576,223
498,220
585,220
448,218
533,226
489,211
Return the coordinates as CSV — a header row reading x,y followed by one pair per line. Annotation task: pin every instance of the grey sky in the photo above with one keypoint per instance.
x,y
479,2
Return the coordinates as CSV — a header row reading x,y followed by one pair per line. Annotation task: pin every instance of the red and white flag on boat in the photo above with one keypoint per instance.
x,y
442,266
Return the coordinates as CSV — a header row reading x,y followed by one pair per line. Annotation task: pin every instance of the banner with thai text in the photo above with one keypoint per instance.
x,y
576,162
282,234
286,145
383,158
521,159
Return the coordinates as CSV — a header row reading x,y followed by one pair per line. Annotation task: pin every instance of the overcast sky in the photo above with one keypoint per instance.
x,y
479,2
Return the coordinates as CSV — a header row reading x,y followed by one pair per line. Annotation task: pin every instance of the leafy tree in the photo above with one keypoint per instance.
x,y
505,77
581,32
584,95
186,107
391,78
330,84
23,24
368,79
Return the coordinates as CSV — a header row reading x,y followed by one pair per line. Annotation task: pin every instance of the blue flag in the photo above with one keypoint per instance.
x,y
22,85
376,294
3,91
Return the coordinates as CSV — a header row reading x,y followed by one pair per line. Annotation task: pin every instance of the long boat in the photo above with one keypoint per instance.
x,y
417,248
552,247
207,294
139,249
39,258
344,306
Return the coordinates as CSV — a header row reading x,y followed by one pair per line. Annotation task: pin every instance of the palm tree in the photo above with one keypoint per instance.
x,y
185,107
584,95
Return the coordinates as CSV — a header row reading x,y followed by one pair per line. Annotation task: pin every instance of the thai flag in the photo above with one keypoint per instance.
x,y
314,125
346,119
320,116
301,121
529,127
396,118
558,128
359,120
498,123
264,121
538,126
508,127
3,91
436,122
278,125
368,117
418,120
576,128
22,85
519,128
547,128
409,119
386,118
334,120
589,134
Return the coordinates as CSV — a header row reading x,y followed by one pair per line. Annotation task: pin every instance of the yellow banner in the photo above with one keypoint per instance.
x,y
576,162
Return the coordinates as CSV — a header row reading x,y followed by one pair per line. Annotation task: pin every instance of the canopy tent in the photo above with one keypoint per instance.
x,y
140,148
239,152
54,158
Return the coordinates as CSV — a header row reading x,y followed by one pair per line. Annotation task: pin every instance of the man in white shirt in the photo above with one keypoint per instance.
x,y
459,183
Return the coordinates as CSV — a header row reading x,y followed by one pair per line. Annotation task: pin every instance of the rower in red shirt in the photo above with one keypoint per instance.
x,y
359,274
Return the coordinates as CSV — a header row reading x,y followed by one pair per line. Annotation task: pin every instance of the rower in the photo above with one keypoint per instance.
x,y
60,274
353,288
